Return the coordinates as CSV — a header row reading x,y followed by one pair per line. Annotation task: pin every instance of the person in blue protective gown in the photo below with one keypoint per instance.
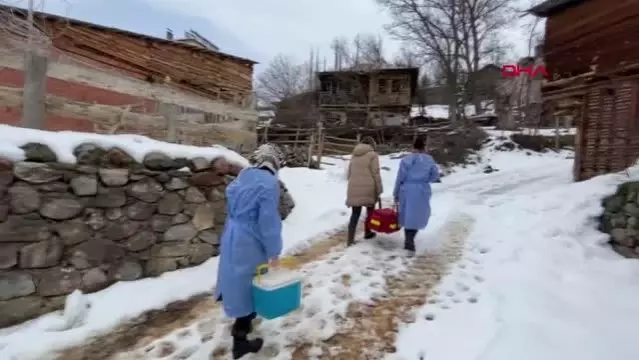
x,y
252,236
413,192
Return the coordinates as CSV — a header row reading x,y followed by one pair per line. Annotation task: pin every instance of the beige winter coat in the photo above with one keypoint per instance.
x,y
364,180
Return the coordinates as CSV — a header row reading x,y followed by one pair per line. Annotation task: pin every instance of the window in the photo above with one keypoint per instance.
x,y
396,86
382,86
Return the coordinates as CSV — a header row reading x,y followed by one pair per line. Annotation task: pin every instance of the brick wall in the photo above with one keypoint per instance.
x,y
72,91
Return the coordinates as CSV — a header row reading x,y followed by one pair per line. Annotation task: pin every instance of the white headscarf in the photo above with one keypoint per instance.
x,y
267,156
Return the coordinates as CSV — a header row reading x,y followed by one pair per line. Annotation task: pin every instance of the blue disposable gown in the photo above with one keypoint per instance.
x,y
252,235
412,189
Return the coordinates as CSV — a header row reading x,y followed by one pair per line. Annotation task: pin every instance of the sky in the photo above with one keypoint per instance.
x,y
255,29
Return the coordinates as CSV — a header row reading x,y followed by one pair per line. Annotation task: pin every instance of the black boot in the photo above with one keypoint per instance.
x,y
240,330
243,346
350,237
369,235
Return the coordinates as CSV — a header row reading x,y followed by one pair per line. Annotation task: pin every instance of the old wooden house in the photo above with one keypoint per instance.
x,y
591,52
378,97
91,64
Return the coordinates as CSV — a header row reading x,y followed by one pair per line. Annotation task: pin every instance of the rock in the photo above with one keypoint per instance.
x,y
72,232
42,254
95,252
199,164
38,153
89,154
618,221
110,198
613,204
623,237
113,213
8,255
200,253
170,250
128,270
147,190
13,285
140,241
182,232
17,229
114,177
217,195
170,204
95,219
23,198
207,178
36,173
159,161
193,195
5,165
118,157
59,281
176,184
631,209
120,230
61,209
180,219
209,237
6,178
221,166
94,280
633,222
161,223
204,217
155,267
55,187
140,210
18,310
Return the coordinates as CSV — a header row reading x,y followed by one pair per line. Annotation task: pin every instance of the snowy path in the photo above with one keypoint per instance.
x,y
354,299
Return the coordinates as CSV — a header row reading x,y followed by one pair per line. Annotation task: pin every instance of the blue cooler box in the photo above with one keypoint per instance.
x,y
277,293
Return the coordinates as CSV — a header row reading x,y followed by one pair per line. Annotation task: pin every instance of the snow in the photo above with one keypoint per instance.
x,y
441,111
535,279
64,142
531,131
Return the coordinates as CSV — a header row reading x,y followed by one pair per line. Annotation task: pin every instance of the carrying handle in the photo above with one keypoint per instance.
x,y
287,262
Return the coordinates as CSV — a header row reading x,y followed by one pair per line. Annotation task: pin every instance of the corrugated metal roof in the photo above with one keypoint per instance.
x,y
550,7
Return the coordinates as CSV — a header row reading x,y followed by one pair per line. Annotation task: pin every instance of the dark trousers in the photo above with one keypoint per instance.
x,y
409,239
242,325
356,212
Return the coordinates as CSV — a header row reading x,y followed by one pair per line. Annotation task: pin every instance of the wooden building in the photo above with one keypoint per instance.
x,y
591,51
95,64
377,97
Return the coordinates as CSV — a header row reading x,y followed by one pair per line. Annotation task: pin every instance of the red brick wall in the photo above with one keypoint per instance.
x,y
72,91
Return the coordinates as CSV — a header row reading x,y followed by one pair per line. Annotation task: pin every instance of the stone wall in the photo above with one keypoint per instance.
x,y
105,219
621,219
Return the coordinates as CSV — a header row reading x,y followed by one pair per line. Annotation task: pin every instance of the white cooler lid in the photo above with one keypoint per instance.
x,y
278,278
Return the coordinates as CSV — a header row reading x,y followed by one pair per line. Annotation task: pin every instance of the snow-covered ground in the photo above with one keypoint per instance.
x,y
531,131
534,279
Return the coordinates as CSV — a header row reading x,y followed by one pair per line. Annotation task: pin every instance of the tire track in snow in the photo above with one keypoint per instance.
x,y
120,343
369,331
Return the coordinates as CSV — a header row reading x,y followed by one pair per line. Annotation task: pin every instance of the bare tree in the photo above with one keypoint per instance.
x,y
407,58
433,28
483,21
282,79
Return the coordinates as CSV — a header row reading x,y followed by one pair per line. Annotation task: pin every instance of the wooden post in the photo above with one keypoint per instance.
x,y
320,144
297,138
265,135
35,77
170,114
557,143
311,145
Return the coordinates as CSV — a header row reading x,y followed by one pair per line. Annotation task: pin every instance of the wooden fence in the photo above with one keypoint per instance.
x,y
319,142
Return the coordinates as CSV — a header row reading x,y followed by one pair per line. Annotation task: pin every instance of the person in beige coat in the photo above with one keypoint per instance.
x,y
364,188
